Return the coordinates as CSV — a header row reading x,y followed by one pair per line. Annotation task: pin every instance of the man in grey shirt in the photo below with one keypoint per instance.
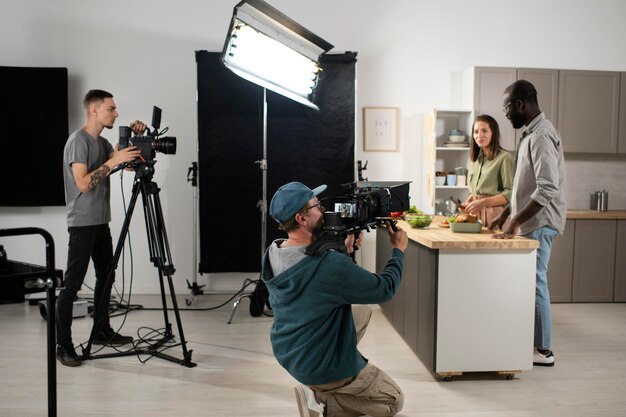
x,y
88,159
537,208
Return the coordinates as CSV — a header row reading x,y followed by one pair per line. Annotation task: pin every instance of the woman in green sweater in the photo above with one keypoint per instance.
x,y
490,178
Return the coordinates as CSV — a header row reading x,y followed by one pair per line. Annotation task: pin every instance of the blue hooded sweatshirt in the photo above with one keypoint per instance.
x,y
313,335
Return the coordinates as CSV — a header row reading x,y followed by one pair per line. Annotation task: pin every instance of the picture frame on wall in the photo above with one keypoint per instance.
x,y
380,129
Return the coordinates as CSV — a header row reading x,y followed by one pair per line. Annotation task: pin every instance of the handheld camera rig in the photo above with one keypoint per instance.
x,y
366,205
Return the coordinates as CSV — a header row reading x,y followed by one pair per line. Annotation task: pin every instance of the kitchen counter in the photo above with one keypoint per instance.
x,y
596,215
435,237
461,292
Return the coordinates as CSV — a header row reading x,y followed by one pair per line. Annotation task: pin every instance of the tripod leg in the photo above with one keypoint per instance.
x,y
163,260
158,258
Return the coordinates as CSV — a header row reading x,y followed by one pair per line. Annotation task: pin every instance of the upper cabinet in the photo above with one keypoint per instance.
x,y
489,85
587,107
588,110
546,82
621,128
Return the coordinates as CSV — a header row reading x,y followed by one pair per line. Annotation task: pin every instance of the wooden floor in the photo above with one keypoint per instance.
x,y
238,376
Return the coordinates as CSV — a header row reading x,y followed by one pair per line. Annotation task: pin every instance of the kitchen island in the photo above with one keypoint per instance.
x,y
466,302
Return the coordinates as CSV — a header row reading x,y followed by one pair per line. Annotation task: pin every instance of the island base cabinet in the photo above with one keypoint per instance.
x,y
465,310
485,310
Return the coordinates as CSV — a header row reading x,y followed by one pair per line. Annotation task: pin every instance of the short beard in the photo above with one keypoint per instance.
x,y
517,122
317,229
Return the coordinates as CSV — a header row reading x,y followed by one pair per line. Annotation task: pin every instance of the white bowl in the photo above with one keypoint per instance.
x,y
457,138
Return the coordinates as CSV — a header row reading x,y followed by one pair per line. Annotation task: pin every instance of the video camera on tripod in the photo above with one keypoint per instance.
x,y
149,144
365,206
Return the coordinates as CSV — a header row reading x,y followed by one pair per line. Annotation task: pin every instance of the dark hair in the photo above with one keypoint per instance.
x,y
292,224
522,90
494,146
93,96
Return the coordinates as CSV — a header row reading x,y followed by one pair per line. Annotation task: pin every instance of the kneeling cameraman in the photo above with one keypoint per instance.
x,y
316,329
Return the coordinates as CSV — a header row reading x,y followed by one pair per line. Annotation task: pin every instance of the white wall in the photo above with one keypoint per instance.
x,y
411,55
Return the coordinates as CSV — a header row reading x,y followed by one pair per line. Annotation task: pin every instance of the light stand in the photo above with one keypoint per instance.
x,y
268,48
263,166
161,258
261,204
192,177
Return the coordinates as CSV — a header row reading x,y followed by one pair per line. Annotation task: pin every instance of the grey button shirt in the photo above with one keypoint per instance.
x,y
540,175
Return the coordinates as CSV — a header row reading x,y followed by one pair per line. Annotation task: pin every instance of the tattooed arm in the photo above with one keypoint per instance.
x,y
86,180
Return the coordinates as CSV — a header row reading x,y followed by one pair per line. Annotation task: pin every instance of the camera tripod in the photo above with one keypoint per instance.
x,y
161,258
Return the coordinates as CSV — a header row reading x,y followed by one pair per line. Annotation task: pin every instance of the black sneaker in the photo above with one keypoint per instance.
x,y
67,355
543,357
111,338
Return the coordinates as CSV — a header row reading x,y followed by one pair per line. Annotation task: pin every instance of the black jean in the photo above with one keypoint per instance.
x,y
85,243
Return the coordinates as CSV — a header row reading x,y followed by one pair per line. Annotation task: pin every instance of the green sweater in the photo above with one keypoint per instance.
x,y
313,335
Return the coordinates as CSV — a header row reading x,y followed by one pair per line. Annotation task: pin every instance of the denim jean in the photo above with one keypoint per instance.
x,y
85,243
543,311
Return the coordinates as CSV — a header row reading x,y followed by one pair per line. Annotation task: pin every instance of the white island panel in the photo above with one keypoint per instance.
x,y
485,311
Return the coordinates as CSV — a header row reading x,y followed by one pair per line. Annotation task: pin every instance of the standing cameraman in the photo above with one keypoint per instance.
x,y
316,329
88,159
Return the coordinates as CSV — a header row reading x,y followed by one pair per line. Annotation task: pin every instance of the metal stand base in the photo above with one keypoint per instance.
x,y
246,282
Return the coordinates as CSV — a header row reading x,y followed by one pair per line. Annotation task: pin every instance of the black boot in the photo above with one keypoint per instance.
x,y
67,355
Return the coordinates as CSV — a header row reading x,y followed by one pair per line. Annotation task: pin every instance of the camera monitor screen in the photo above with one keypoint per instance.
x,y
346,209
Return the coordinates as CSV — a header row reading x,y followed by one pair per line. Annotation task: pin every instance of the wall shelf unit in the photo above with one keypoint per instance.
x,y
441,157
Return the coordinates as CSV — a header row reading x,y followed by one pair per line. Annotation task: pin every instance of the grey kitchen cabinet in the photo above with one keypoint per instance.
x,y
588,109
409,293
619,292
594,260
401,310
383,251
404,310
489,86
561,264
621,141
546,82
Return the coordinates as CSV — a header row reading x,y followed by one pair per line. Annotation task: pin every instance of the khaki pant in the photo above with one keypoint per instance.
x,y
370,392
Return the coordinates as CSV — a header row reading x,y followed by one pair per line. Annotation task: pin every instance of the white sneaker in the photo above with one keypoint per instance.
x,y
307,404
543,358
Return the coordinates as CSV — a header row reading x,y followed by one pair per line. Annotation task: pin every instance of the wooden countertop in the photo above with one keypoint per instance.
x,y
436,237
596,215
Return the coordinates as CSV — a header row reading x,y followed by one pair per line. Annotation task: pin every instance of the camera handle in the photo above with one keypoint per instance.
x,y
119,168
335,239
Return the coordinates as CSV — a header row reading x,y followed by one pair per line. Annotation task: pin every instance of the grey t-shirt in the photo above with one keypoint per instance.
x,y
92,207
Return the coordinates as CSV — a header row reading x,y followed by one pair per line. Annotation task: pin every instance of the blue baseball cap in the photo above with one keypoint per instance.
x,y
290,198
